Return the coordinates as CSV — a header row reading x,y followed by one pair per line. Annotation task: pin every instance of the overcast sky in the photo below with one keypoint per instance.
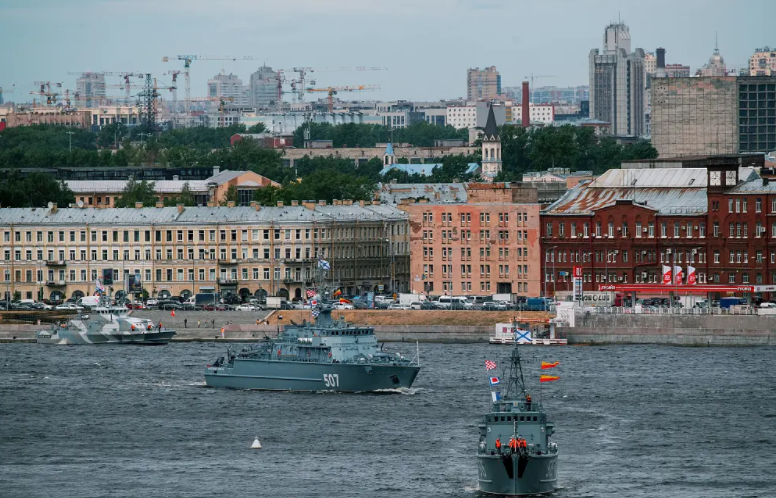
x,y
426,45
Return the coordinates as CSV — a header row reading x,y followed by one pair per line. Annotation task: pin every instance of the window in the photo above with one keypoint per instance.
x,y
624,228
716,229
716,256
597,228
702,230
549,230
638,229
758,205
664,229
676,230
611,229
573,230
651,231
586,230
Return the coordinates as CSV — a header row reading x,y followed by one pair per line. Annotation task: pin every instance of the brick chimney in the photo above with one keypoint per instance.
x,y
138,205
159,204
230,204
526,114
280,204
321,203
294,203
309,205
53,207
180,208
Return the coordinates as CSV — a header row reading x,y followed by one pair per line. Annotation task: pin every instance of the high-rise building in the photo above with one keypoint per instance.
x,y
763,62
483,85
90,85
263,87
617,82
229,86
713,115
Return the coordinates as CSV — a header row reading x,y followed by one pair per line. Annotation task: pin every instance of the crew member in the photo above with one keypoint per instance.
x,y
498,444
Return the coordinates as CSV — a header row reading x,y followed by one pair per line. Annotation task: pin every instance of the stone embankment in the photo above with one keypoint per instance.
x,y
679,330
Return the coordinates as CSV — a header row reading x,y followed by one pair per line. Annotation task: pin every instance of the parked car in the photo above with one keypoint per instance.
x,y
245,307
399,306
152,302
343,306
494,306
42,306
69,307
360,304
136,306
169,305
417,305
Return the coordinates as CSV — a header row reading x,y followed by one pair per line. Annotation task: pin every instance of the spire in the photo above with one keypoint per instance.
x,y
389,149
491,130
716,42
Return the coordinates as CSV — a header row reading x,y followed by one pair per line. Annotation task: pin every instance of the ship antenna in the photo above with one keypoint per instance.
x,y
516,382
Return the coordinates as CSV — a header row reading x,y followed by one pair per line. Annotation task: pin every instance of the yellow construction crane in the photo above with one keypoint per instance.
x,y
188,59
298,85
333,90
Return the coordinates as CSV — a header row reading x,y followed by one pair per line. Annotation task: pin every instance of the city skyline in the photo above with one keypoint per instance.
x,y
284,36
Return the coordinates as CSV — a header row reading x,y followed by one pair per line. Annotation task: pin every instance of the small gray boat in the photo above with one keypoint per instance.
x,y
105,325
326,355
515,456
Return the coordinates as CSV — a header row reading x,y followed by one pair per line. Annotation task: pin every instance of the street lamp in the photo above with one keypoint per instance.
x,y
40,273
70,133
393,278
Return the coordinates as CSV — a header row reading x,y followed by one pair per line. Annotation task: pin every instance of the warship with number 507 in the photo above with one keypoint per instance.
x,y
323,355
515,456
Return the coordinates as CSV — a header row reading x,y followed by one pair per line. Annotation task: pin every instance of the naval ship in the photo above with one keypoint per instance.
x,y
106,324
515,456
323,355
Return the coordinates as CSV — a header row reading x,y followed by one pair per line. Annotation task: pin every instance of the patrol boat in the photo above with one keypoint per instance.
x,y
325,355
106,324
515,456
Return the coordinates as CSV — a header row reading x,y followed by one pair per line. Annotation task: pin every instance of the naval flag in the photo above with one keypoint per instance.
x,y
490,365
494,381
323,264
495,396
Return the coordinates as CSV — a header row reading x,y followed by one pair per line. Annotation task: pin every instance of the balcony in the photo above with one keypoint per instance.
x,y
226,281
54,262
228,262
56,283
292,280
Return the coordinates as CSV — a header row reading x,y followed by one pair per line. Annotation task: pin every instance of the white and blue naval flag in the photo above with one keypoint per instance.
x,y
98,286
495,395
323,264
494,381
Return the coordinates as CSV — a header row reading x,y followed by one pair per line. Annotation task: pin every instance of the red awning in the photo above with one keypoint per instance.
x,y
682,289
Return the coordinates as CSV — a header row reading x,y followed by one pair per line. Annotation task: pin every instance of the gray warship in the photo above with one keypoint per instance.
x,y
323,355
515,456
105,324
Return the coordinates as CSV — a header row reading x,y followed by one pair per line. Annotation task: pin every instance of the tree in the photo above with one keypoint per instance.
x,y
257,128
231,196
36,190
186,197
135,191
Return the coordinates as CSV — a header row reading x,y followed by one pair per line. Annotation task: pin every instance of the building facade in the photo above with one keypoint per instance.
x,y
486,245
539,113
228,86
715,214
90,85
617,82
263,88
713,115
178,251
763,62
484,84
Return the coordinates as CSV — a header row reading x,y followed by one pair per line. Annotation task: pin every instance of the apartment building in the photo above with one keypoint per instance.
x,y
177,251
482,241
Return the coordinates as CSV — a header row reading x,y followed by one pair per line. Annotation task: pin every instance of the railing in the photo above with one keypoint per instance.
x,y
56,283
663,310
54,262
227,281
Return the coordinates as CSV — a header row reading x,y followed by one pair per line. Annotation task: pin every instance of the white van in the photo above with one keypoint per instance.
x,y
453,302
90,301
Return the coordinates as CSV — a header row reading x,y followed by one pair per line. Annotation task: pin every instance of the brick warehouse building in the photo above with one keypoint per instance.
x,y
473,239
716,213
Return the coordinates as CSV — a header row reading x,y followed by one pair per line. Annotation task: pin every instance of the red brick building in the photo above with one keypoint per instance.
x,y
716,214
474,239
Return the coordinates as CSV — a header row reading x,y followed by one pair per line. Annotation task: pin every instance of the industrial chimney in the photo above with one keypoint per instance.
x,y
660,72
526,115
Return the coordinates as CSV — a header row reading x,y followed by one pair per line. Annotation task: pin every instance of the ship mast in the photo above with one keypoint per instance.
x,y
516,381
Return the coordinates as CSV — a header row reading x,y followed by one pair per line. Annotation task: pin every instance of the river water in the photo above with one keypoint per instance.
x,y
632,421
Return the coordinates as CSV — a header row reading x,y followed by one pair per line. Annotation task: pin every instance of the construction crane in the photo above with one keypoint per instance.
x,y
188,59
174,89
298,85
45,91
532,76
333,90
127,86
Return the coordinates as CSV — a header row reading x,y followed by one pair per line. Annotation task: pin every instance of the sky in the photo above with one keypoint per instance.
x,y
425,46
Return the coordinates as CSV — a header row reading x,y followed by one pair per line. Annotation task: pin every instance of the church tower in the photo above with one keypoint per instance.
x,y
389,157
491,148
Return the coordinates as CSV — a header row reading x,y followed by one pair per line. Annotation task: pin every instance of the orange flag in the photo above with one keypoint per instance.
x,y
172,313
546,365
548,378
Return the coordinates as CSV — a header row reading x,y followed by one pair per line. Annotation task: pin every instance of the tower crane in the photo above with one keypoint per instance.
x,y
127,86
45,91
174,89
188,59
333,90
298,85
532,76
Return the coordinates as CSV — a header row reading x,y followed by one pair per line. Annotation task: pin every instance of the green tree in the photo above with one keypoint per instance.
x,y
186,197
35,190
137,191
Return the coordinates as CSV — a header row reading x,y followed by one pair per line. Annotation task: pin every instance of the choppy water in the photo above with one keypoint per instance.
x,y
632,421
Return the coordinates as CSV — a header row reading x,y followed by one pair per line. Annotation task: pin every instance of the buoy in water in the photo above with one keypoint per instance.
x,y
256,444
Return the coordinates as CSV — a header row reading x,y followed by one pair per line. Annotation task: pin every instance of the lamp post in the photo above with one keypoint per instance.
x,y
70,133
393,283
40,273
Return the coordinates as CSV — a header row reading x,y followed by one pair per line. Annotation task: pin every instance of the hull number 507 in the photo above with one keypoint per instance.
x,y
331,380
